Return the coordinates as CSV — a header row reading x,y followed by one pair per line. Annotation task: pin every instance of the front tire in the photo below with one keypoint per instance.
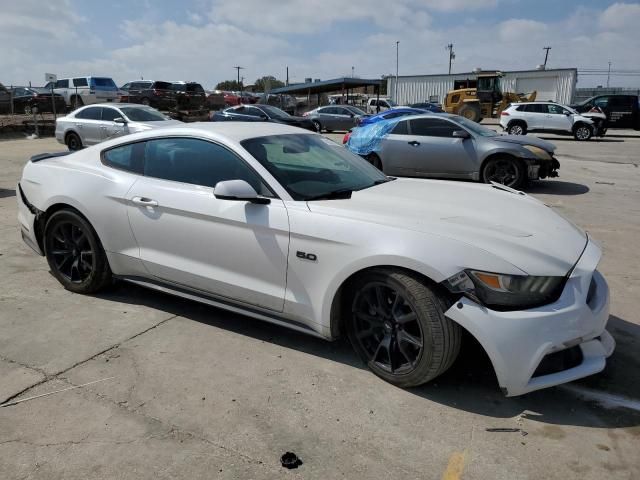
x,y
505,170
582,132
375,160
74,253
470,111
397,325
517,128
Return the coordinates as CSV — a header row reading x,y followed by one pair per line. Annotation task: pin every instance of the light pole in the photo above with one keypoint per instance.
x,y
546,55
452,55
397,50
608,74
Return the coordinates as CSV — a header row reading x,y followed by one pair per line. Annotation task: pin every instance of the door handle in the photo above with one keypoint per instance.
x,y
79,125
413,143
144,201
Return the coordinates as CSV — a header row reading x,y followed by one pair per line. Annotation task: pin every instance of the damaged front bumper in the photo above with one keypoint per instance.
x,y
550,345
543,168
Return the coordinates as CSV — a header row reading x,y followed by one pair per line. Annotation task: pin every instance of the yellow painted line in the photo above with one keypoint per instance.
x,y
455,467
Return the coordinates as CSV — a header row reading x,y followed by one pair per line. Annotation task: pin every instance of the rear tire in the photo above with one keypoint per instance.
x,y
145,101
74,253
375,160
505,170
517,128
470,111
396,324
73,142
317,126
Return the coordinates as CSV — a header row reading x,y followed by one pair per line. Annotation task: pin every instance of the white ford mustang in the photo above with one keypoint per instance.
x,y
289,227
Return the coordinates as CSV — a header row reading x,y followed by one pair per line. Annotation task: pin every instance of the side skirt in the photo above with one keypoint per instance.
x,y
201,297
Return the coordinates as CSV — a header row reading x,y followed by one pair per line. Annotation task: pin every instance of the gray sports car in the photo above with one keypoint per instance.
x,y
450,146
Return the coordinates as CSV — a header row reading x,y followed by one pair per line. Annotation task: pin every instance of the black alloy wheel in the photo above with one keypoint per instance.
x,y
74,253
73,142
504,170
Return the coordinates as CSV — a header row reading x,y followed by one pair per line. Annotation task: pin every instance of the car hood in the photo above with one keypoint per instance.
x,y
508,224
526,140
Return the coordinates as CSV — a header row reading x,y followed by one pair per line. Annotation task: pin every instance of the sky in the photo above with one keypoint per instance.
x,y
202,40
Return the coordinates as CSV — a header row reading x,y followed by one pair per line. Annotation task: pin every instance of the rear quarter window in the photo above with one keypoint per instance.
x,y
126,157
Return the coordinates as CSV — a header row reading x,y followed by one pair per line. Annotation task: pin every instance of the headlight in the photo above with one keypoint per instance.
x,y
506,292
538,152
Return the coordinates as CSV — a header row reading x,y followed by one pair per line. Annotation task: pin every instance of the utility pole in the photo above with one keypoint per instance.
x,y
452,55
353,69
608,74
546,55
238,69
287,75
397,62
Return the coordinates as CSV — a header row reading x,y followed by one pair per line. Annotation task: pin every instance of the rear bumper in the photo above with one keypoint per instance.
x,y
517,342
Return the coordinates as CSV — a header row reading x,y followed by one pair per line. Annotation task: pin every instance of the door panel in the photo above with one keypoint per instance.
x,y
555,119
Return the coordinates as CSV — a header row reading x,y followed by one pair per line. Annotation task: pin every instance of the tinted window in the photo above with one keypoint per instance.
x,y
91,113
197,162
401,128
79,82
342,111
62,84
110,114
162,85
195,88
139,85
536,108
103,83
252,112
127,157
143,114
555,109
601,102
432,127
620,101
126,86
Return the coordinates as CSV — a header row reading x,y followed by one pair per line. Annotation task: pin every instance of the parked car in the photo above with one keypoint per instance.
x,y
231,99
391,113
5,99
156,94
189,96
26,98
215,100
311,237
622,111
96,123
330,118
520,118
375,105
261,113
288,103
79,91
429,106
441,145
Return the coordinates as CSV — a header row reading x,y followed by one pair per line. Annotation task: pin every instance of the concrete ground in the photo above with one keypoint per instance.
x,y
189,391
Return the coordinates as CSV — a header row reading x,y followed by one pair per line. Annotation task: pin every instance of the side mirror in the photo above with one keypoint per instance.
x,y
120,120
461,134
238,190
567,113
352,115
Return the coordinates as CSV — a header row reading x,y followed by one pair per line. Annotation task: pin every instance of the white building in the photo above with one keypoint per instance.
x,y
554,84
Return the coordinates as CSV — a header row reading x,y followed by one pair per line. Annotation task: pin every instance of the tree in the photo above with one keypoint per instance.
x,y
267,83
228,85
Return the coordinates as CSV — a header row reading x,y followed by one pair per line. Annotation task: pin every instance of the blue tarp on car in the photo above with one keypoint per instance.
x,y
368,138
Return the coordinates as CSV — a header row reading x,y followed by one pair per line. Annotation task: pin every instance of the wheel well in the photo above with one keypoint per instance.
x,y
517,121
499,154
340,303
66,135
43,218
580,124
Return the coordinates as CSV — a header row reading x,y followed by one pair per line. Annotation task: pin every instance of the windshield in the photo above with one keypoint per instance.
x,y
103,83
355,110
143,114
311,167
475,128
274,112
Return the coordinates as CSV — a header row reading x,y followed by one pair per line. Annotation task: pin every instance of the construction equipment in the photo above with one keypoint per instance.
x,y
485,99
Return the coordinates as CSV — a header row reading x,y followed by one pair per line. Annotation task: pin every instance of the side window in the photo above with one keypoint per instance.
x,y
401,128
536,108
343,111
253,112
91,113
127,157
80,82
197,162
62,83
602,102
455,98
110,114
126,86
555,109
432,127
620,101
18,92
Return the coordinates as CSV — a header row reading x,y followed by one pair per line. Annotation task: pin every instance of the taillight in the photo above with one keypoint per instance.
x,y
506,114
306,114
345,139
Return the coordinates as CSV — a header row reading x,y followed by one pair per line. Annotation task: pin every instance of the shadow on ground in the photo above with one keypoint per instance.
x,y
593,139
469,385
556,187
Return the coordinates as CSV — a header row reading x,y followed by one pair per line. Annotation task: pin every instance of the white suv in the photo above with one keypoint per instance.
x,y
81,91
520,118
375,105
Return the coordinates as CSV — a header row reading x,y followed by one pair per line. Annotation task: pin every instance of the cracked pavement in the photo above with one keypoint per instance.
x,y
203,393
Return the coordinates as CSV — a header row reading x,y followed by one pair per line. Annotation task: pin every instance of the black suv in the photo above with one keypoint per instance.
x,y
623,111
156,94
190,96
5,99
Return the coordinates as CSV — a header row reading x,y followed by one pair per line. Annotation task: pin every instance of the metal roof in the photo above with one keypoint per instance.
x,y
328,85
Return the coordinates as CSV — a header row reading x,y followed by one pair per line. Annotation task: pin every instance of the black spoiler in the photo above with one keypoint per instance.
x,y
44,156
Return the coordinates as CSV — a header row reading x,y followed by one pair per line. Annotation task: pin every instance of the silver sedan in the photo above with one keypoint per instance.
x,y
335,117
450,146
96,123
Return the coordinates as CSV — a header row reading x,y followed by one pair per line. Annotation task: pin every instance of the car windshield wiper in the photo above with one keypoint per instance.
x,y
333,195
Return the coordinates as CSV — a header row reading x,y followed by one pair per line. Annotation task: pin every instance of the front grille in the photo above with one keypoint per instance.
x,y
559,361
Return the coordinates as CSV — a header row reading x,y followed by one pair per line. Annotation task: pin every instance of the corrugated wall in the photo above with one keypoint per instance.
x,y
420,87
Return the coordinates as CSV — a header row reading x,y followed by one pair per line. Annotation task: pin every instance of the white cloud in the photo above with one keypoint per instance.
x,y
621,16
519,29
